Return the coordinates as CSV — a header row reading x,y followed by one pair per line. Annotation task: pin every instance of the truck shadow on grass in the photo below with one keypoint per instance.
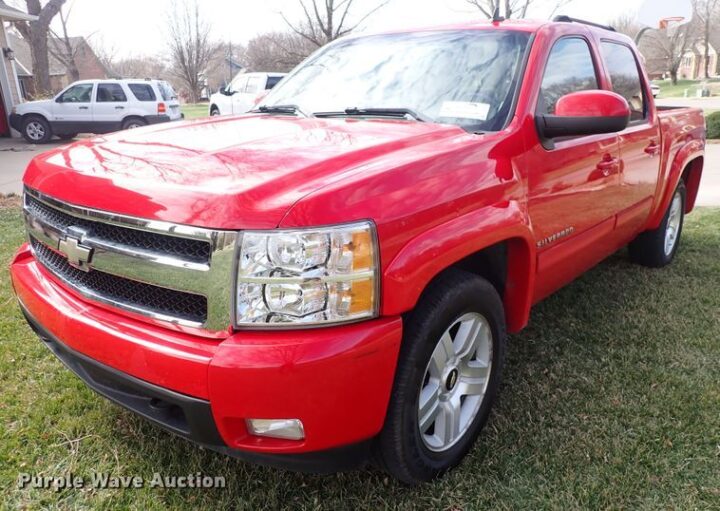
x,y
607,394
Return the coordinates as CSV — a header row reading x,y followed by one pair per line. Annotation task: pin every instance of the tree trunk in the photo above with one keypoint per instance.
x,y
40,62
674,76
707,46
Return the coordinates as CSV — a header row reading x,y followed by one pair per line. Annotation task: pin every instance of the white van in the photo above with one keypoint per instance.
x,y
97,106
243,93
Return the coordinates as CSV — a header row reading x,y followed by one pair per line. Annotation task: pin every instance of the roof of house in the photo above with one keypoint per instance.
x,y
8,13
23,56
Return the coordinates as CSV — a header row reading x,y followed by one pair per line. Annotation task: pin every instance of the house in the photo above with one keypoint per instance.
x,y
692,66
10,92
88,64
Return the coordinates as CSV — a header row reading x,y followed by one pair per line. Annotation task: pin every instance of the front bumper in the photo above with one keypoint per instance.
x,y
16,122
337,381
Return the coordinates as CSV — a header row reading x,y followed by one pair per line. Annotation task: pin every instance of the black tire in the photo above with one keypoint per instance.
x,y
649,248
214,111
133,122
400,448
36,129
67,136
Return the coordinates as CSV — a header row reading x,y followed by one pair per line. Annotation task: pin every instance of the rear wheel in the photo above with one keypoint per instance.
x,y
133,122
657,248
447,378
36,130
214,111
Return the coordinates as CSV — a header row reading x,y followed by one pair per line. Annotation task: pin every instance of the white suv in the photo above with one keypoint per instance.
x,y
96,106
243,93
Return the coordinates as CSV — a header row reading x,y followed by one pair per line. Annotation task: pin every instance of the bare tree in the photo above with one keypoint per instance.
x,y
62,47
327,20
106,54
515,8
707,11
140,67
36,34
277,51
626,24
190,45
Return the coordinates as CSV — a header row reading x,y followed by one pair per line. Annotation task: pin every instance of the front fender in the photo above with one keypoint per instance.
x,y
426,255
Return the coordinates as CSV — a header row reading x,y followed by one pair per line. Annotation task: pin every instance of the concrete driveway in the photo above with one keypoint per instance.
x,y
15,155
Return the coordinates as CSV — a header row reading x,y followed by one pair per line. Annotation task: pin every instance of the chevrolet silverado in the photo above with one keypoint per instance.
x,y
331,278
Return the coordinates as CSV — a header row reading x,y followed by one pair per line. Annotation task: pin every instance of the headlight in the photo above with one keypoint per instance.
x,y
307,277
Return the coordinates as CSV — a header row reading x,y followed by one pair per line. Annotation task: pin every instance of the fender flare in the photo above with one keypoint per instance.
x,y
425,256
691,151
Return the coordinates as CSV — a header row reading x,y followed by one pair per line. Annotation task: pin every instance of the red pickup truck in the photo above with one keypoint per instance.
x,y
333,276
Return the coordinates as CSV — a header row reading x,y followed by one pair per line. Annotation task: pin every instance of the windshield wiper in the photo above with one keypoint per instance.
x,y
397,113
281,109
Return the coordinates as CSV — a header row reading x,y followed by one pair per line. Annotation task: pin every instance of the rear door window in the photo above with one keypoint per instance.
x,y
570,68
142,91
110,93
625,76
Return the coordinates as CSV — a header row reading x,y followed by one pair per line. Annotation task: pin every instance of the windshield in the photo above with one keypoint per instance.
x,y
466,77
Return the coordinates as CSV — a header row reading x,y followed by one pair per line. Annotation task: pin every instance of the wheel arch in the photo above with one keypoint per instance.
x,y
691,177
35,114
687,165
494,243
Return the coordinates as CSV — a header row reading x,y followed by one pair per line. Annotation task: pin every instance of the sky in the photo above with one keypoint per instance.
x,y
136,27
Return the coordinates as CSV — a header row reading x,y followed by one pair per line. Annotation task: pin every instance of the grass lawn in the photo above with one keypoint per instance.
x,y
611,400
195,111
668,90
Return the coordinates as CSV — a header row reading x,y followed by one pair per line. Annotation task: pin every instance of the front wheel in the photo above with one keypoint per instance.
x,y
657,248
447,378
36,130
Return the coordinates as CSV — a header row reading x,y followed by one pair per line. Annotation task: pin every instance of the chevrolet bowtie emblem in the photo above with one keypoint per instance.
x,y
77,254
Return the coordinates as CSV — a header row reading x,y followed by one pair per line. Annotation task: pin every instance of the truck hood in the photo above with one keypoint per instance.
x,y
223,173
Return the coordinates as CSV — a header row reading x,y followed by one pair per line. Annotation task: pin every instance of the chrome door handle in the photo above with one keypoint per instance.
x,y
83,107
119,108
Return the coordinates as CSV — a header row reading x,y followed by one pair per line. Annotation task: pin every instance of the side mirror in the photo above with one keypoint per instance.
x,y
592,112
58,99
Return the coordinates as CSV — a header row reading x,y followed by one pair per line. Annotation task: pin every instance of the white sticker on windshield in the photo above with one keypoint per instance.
x,y
465,110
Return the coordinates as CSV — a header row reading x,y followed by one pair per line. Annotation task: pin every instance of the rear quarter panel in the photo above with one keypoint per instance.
x,y
683,136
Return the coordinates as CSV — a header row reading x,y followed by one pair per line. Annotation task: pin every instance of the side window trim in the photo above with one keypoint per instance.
x,y
593,58
641,76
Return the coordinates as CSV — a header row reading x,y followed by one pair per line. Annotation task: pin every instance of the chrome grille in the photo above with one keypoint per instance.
x,y
137,295
195,250
168,272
